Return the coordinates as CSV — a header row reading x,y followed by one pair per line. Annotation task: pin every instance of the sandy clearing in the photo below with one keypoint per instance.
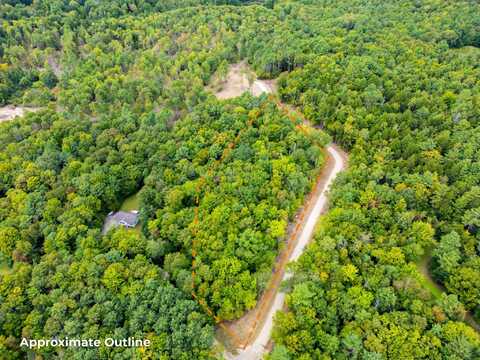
x,y
236,82
10,112
240,79
263,86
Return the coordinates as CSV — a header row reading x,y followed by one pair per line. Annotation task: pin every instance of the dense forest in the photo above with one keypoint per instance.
x,y
125,110
406,105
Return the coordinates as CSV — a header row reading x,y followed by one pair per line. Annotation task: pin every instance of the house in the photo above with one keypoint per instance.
x,y
127,219
124,218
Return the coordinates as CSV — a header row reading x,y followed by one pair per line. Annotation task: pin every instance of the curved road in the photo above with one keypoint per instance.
x,y
257,349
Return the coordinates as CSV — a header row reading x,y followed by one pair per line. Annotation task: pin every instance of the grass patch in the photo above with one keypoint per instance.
x,y
131,203
4,268
427,283
426,279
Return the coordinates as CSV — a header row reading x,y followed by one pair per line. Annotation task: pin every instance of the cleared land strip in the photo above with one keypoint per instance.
x,y
252,331
272,300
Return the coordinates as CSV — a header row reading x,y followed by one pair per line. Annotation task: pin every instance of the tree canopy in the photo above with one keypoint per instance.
x,y
125,110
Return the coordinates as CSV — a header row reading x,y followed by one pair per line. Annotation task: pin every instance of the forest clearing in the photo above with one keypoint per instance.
x,y
238,80
10,112
130,204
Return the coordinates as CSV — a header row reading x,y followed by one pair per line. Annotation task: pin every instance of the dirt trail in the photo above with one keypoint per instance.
x,y
253,330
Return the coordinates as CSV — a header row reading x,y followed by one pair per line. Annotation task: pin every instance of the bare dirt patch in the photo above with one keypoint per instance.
x,y
263,86
11,112
237,82
240,79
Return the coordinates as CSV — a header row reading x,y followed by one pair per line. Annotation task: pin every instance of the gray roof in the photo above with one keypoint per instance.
x,y
130,218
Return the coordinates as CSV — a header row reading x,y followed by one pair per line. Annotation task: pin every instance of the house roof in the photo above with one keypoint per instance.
x,y
130,218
